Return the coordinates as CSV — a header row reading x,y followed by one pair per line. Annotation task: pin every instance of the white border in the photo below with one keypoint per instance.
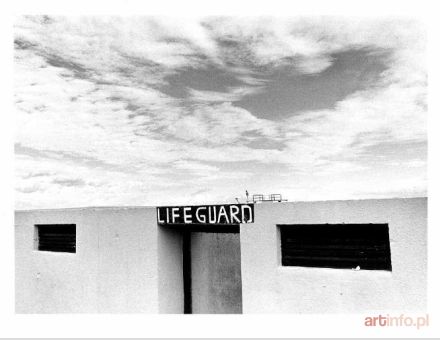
x,y
12,325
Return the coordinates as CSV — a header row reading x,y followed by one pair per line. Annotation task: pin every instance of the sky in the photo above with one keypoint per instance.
x,y
153,111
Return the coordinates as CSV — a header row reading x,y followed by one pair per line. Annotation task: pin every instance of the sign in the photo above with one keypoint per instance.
x,y
206,214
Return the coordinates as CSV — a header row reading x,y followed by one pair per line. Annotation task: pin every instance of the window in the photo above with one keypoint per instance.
x,y
366,246
56,237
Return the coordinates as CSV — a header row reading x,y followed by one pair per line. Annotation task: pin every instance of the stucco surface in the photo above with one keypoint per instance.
x,y
125,263
216,273
113,271
170,267
269,287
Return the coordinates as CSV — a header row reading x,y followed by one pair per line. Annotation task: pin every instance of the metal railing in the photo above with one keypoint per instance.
x,y
267,198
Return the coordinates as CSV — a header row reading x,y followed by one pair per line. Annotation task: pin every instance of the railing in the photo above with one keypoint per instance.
x,y
267,198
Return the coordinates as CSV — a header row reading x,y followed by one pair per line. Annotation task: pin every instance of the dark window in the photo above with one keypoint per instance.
x,y
56,237
366,246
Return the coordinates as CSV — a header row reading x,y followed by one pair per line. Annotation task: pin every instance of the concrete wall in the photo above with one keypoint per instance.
x,y
216,273
270,288
170,265
126,263
113,271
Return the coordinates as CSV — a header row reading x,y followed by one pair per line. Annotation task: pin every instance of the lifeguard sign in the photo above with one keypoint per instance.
x,y
206,214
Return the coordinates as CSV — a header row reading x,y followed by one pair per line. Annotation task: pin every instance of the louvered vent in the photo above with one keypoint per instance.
x,y
366,246
56,237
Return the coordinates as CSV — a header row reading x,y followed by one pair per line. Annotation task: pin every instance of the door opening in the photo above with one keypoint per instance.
x,y
187,294
212,270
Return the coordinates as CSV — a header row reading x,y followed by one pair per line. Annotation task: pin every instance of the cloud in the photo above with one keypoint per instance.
x,y
218,124
232,95
358,122
97,127
195,167
69,182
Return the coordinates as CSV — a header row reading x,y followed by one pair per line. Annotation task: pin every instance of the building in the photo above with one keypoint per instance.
x,y
297,257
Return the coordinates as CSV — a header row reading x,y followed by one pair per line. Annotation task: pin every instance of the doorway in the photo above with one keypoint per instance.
x,y
212,271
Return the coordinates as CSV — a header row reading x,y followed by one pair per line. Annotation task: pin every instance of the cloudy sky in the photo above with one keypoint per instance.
x,y
157,110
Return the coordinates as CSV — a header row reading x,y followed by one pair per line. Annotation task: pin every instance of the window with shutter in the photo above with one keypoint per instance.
x,y
355,246
56,237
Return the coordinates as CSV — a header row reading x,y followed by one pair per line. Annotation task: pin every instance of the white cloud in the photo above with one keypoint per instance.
x,y
232,95
103,103
359,121
195,167
219,125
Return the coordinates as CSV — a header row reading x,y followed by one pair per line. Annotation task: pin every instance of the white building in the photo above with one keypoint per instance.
x,y
298,257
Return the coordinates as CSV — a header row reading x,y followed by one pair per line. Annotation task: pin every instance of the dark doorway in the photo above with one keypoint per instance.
x,y
212,270
187,289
